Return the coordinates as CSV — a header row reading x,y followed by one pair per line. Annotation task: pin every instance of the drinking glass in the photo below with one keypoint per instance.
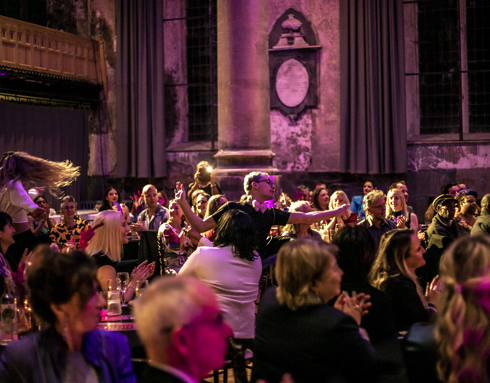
x,y
139,289
123,283
113,299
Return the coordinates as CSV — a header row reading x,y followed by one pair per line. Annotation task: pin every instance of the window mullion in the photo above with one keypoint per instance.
x,y
465,118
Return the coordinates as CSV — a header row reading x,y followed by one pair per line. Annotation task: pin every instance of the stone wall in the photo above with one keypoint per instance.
x,y
306,150
313,143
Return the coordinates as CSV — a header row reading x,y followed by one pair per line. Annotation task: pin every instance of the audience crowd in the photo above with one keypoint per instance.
x,y
320,287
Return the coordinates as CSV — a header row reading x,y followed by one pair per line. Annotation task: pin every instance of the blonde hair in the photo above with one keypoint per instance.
x,y
389,210
333,197
33,171
299,264
298,206
107,238
463,323
394,248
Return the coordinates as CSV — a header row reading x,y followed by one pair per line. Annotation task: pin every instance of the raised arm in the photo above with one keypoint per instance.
x,y
316,216
196,222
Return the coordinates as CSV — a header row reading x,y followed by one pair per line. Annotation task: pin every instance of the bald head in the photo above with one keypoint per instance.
x,y
150,195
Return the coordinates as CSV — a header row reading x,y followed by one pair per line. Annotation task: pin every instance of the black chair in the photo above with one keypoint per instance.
x,y
420,352
148,250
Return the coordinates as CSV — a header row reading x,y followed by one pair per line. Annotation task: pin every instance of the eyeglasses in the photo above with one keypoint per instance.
x,y
380,207
267,181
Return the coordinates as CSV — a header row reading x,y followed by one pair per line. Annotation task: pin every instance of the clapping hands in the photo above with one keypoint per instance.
x,y
355,305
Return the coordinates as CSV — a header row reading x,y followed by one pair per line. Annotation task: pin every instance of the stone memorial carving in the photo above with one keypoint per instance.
x,y
292,83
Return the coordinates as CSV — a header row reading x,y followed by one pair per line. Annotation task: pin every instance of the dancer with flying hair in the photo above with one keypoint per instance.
x,y
19,172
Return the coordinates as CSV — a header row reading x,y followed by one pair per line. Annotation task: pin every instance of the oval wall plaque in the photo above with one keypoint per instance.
x,y
292,83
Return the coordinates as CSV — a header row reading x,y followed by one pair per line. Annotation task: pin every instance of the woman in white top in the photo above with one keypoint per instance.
x,y
19,172
233,270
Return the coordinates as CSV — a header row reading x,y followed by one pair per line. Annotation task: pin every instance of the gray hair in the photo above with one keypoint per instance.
x,y
166,304
367,201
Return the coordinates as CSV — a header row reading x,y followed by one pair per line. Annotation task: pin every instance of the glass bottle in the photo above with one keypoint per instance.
x,y
8,314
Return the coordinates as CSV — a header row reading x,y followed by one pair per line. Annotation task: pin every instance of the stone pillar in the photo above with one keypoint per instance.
x,y
243,89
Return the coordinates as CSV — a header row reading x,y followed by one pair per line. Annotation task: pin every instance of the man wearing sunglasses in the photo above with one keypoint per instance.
x,y
259,188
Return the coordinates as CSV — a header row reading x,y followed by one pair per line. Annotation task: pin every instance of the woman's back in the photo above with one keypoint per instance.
x,y
407,306
234,280
314,343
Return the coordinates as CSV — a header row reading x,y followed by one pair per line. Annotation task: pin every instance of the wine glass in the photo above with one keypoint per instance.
x,y
123,283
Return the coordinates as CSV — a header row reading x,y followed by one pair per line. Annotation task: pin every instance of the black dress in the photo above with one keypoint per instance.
x,y
315,344
407,305
102,259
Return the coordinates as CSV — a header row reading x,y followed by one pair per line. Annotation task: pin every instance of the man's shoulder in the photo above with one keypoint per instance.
x,y
153,374
161,210
142,215
364,223
390,223
230,205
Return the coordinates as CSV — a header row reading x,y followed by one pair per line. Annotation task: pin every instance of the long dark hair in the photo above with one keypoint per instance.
x,y
105,204
4,220
356,253
235,229
314,199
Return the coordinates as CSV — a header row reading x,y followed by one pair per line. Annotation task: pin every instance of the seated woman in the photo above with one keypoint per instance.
x,y
338,199
396,210
462,329
42,225
112,201
356,205
71,226
298,332
106,248
400,254
201,204
233,270
320,199
355,257
300,230
214,203
63,292
7,232
175,240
